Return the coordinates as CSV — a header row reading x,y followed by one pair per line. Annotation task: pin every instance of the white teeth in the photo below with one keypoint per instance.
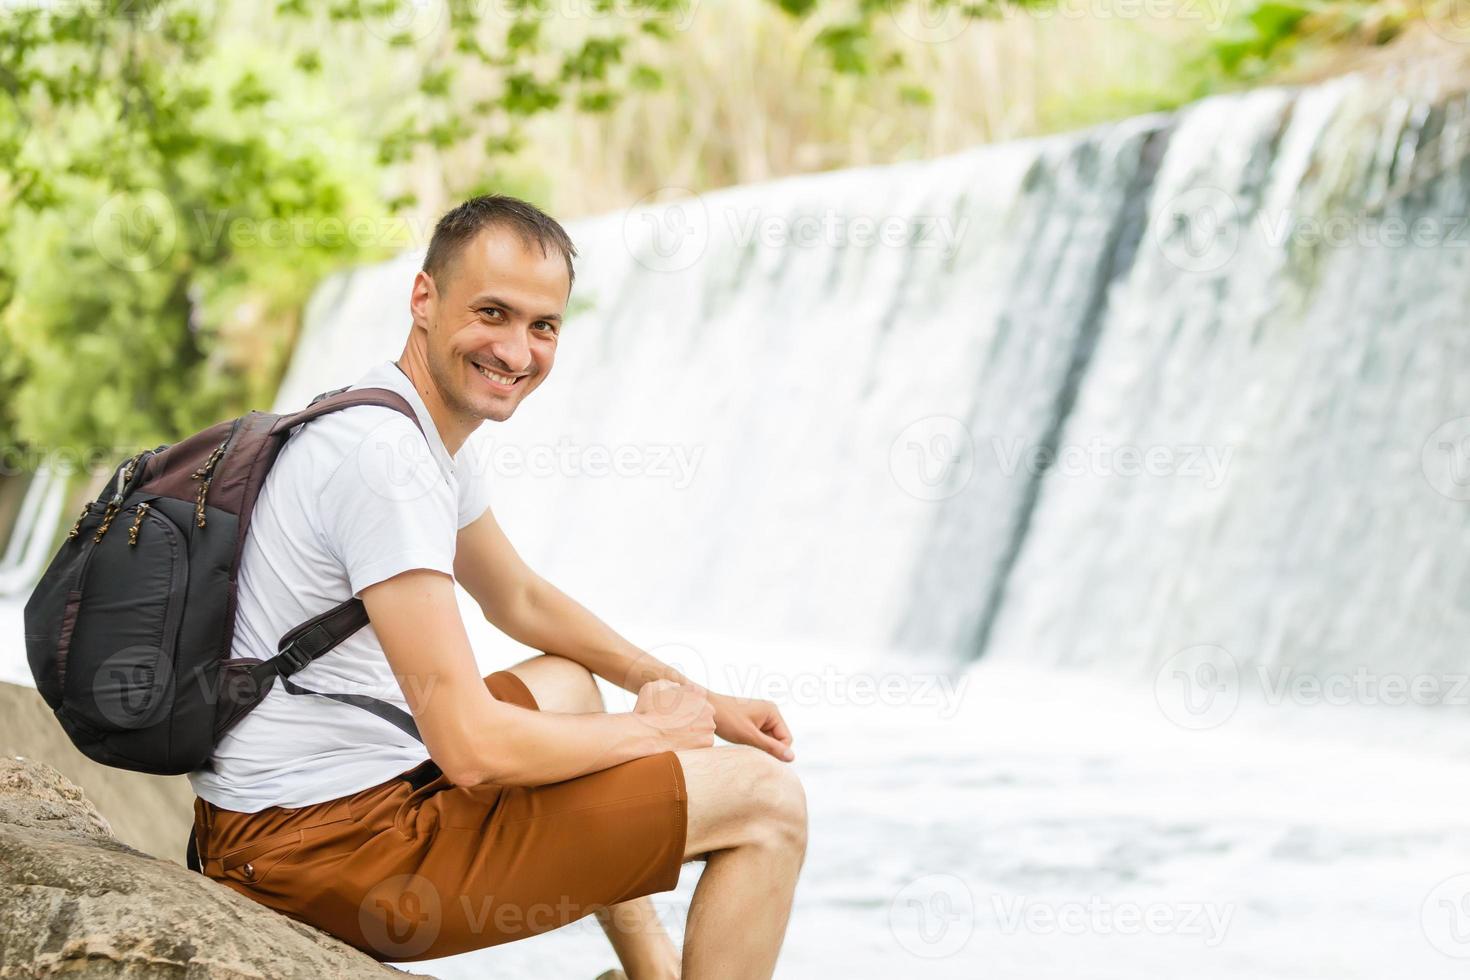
x,y
497,378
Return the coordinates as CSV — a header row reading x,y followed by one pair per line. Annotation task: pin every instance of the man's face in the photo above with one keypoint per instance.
x,y
492,322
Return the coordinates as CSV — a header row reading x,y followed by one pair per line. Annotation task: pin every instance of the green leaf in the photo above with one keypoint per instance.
x,y
646,78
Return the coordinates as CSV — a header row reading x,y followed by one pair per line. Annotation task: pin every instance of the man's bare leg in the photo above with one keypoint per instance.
x,y
747,819
639,940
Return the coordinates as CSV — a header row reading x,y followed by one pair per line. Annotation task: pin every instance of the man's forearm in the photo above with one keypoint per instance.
x,y
520,747
549,620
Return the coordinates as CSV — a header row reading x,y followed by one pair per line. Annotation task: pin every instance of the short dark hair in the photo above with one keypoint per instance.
x,y
460,225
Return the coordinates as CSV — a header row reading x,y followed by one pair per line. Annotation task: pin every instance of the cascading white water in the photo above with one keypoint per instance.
x,y
763,369
1300,378
818,409
843,441
30,537
822,409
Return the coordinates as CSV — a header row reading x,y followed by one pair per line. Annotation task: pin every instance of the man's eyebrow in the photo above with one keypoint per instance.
x,y
480,302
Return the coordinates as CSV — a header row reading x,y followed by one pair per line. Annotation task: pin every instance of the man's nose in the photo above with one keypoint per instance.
x,y
513,350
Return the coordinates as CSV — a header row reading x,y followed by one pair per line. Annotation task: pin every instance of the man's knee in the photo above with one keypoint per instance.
x,y
783,801
740,795
559,684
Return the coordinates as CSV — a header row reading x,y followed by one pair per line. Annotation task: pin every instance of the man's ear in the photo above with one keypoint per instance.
x,y
423,298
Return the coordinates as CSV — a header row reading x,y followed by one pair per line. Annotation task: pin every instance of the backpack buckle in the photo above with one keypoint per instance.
x,y
294,657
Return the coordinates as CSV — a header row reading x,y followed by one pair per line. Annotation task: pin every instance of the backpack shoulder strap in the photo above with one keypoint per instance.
x,y
334,401
317,636
322,633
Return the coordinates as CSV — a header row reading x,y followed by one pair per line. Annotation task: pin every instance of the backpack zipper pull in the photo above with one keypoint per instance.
x,y
77,527
206,472
208,465
124,476
113,506
137,523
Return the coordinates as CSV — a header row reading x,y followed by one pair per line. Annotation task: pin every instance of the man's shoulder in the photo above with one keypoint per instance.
x,y
348,428
373,437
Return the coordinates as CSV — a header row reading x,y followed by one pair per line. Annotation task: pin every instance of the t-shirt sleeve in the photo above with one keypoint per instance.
x,y
474,496
473,472
387,507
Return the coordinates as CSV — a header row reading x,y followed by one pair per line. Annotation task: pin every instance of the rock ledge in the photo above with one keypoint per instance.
x,y
81,904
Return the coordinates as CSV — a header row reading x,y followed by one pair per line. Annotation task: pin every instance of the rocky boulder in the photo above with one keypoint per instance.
x,y
77,902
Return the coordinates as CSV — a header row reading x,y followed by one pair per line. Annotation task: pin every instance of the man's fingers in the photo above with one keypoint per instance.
x,y
775,747
775,726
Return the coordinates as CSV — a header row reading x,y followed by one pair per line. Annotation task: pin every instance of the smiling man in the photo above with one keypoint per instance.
x,y
460,811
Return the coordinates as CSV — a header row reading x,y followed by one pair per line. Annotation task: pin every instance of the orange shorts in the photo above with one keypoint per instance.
x,y
417,868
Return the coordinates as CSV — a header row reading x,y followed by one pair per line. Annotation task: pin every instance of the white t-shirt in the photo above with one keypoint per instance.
x,y
354,498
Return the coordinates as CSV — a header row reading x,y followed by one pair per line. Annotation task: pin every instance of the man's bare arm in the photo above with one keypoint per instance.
x,y
532,611
475,738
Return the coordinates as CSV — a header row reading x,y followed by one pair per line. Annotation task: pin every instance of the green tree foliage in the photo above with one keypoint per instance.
x,y
1264,36
175,175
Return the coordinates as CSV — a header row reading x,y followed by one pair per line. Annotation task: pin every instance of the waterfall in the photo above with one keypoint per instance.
x,y
1091,398
762,361
1186,379
1300,377
30,537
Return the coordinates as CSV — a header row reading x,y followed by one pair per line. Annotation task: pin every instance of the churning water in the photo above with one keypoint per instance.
x,y
1096,507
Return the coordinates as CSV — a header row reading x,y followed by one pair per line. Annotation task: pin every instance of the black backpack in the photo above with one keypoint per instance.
x,y
128,632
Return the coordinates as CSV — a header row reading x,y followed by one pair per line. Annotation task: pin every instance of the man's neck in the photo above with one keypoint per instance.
x,y
453,428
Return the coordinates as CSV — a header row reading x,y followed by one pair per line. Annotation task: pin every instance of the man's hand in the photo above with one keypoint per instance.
x,y
680,712
532,611
750,721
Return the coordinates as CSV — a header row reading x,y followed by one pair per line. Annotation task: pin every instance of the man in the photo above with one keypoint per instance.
x,y
526,805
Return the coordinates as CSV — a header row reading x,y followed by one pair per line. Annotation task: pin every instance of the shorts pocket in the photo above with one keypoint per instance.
x,y
252,863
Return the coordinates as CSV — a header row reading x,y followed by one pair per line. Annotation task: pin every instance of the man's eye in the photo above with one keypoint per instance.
x,y
491,311
546,327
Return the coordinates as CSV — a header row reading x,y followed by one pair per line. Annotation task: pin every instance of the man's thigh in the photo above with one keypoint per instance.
x,y
733,790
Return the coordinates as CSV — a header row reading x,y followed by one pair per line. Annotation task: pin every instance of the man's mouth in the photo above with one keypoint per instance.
x,y
496,378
